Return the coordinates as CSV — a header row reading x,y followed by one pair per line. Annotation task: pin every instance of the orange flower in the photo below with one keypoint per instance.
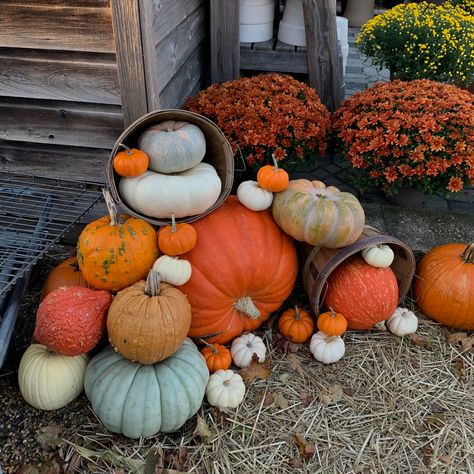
x,y
455,184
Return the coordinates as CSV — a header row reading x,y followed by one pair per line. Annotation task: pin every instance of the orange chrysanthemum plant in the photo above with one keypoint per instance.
x,y
417,134
265,115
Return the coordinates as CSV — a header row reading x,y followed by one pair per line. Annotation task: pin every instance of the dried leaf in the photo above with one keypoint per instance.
x,y
458,366
28,469
284,377
49,436
418,340
202,429
467,342
51,467
305,448
295,462
332,394
281,401
280,343
256,370
306,398
348,391
268,399
446,459
293,347
434,421
427,453
154,462
295,364
73,464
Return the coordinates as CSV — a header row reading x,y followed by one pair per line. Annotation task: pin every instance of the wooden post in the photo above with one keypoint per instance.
x,y
324,65
225,45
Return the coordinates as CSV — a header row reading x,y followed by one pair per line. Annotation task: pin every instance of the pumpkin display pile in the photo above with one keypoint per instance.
x,y
144,298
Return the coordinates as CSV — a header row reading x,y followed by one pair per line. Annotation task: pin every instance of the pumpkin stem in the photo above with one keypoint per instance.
x,y
275,162
226,383
211,346
153,281
297,313
468,254
173,223
111,207
245,305
129,151
333,313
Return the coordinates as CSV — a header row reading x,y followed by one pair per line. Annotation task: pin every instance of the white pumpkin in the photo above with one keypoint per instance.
x,y
173,270
380,255
183,194
327,349
402,322
244,347
252,196
225,389
49,381
173,146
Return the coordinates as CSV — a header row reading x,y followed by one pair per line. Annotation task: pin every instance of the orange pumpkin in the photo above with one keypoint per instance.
x,y
67,273
114,252
217,356
176,239
332,323
244,267
444,285
364,294
271,178
296,324
130,162
71,320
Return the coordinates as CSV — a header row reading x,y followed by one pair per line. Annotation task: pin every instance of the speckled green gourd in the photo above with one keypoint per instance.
x,y
142,400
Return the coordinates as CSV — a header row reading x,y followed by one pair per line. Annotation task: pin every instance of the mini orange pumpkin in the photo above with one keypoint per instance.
x,y
296,324
176,239
272,178
130,162
332,323
217,356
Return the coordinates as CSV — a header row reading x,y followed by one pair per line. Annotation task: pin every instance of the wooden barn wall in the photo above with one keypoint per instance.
x,y
180,35
60,98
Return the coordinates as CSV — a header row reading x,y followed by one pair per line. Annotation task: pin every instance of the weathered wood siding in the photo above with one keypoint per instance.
x,y
180,42
73,75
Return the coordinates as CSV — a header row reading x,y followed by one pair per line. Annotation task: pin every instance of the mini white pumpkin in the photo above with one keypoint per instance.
x,y
252,196
244,347
173,146
49,381
402,322
183,194
173,270
327,349
380,255
225,389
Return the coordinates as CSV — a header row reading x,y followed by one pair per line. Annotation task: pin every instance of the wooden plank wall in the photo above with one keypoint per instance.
x,y
60,98
181,47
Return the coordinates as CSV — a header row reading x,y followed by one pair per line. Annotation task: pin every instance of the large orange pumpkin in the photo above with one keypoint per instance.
x,y
243,268
364,294
67,273
444,285
115,251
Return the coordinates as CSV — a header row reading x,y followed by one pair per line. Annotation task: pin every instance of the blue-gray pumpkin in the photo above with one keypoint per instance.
x,y
141,400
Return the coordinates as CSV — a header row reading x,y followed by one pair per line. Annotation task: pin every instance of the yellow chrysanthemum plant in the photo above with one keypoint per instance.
x,y
422,41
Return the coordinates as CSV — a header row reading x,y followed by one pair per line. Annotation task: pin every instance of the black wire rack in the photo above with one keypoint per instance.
x,y
35,212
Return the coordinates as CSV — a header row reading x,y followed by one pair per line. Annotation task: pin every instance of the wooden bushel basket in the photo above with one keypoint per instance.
x,y
218,153
319,262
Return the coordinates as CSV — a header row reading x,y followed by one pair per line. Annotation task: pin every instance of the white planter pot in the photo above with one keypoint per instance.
x,y
359,12
291,29
256,20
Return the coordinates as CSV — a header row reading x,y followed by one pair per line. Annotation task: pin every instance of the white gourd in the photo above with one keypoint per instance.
x,y
49,381
173,270
252,196
225,389
402,322
327,349
380,255
243,348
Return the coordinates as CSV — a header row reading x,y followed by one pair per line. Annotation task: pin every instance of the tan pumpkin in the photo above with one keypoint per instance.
x,y
173,146
148,321
319,215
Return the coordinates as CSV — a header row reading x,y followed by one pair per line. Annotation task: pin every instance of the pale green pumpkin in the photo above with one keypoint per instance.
x,y
142,400
319,215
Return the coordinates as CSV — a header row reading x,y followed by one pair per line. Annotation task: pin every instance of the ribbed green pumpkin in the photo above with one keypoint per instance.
x,y
318,215
142,400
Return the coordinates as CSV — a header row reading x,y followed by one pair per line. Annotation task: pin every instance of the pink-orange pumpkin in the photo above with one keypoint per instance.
x,y
71,319
243,268
364,294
